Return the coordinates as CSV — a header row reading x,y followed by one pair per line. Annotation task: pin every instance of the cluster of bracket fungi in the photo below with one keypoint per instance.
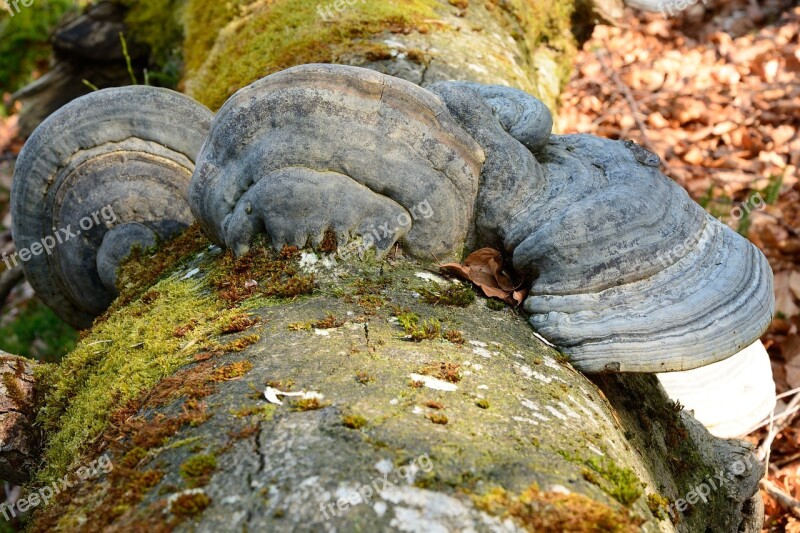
x,y
626,272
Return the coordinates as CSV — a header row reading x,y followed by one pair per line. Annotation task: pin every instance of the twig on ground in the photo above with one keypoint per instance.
x,y
783,499
634,106
785,419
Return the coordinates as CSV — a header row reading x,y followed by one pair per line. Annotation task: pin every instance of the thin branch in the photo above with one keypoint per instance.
x,y
774,431
783,499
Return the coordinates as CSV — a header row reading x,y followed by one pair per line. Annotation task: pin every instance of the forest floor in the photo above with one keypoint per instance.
x,y
714,92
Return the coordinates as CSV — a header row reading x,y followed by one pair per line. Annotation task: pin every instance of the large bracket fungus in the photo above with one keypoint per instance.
x,y
324,146
107,172
627,273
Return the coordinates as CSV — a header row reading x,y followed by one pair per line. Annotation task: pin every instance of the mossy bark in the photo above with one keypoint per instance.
x,y
521,43
495,433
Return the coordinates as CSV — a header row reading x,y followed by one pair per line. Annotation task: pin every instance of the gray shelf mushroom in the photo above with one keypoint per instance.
x,y
106,172
327,146
627,273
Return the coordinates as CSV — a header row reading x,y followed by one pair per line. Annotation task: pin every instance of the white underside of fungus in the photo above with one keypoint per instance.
x,y
729,397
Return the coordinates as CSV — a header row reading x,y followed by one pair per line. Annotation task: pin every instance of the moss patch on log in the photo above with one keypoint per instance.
x,y
147,335
157,24
511,431
265,37
545,512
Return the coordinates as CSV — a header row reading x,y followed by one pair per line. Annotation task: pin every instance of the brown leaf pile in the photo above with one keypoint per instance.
x,y
715,93
484,268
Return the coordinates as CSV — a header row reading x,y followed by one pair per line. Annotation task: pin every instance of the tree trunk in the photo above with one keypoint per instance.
x,y
159,418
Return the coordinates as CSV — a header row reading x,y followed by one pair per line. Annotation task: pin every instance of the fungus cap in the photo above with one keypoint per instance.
x,y
630,274
351,148
116,159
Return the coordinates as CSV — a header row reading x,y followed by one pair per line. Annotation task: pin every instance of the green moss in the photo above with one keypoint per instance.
x,y
408,321
143,268
657,504
126,353
547,512
444,370
622,484
495,305
14,391
272,36
266,411
197,470
24,39
364,377
309,404
437,418
330,321
454,336
276,275
354,421
427,330
133,457
455,294
157,24
190,504
543,29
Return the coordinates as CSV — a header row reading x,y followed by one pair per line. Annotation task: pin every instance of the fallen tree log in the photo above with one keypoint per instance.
x,y
477,425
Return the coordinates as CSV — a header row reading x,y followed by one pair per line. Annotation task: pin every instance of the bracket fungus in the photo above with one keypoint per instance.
x,y
126,154
322,147
627,273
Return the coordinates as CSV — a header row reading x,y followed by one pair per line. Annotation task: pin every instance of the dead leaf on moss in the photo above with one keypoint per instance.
x,y
484,268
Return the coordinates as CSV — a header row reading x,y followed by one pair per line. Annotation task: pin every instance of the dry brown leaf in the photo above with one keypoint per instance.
x,y
784,299
484,268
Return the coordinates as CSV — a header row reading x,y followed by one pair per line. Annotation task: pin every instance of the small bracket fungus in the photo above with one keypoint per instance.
x,y
107,172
